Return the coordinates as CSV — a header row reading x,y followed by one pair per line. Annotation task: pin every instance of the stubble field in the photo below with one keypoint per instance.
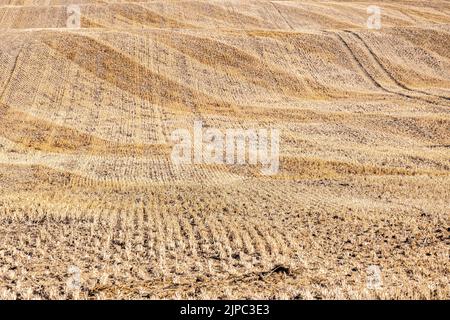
x,y
92,205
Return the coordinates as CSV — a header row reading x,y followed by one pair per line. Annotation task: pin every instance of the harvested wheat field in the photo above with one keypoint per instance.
x,y
92,205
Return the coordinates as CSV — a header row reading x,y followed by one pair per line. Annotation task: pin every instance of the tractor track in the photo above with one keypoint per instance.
x,y
381,67
401,85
